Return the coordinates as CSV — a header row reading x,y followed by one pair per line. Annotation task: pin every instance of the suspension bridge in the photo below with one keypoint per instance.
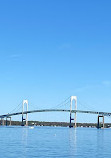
x,y
74,111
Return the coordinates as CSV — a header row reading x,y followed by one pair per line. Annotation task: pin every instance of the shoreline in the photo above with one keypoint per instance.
x,y
61,124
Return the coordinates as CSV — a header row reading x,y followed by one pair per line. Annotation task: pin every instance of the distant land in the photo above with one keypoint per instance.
x,y
62,124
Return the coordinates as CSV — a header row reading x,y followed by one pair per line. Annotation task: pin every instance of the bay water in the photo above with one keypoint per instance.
x,y
49,142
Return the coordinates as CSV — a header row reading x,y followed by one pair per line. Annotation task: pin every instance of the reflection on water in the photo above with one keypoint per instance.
x,y
56,142
24,138
72,140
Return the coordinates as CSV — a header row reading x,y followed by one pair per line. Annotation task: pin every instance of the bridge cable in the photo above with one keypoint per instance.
x,y
62,103
86,106
16,107
58,105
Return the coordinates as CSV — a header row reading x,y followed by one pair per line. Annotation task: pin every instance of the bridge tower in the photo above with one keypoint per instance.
x,y
71,100
25,103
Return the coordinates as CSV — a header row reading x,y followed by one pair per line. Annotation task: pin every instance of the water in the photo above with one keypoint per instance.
x,y
56,142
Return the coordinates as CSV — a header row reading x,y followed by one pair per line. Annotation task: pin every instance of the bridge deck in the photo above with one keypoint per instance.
x,y
56,110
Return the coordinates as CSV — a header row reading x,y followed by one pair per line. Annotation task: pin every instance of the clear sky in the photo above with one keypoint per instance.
x,y
50,50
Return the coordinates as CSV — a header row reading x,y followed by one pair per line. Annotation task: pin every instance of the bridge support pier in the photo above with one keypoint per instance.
x,y
10,122
75,99
6,121
98,126
26,119
2,122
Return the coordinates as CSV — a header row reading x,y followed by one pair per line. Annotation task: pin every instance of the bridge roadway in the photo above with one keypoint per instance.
x,y
55,110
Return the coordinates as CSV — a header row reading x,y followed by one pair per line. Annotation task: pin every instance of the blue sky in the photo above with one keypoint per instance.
x,y
50,50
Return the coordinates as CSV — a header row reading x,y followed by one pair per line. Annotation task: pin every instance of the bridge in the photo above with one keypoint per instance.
x,y
75,111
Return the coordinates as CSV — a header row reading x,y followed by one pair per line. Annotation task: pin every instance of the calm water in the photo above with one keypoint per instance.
x,y
52,142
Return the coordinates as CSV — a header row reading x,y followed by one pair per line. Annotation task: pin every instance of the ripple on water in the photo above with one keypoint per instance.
x,y
51,142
